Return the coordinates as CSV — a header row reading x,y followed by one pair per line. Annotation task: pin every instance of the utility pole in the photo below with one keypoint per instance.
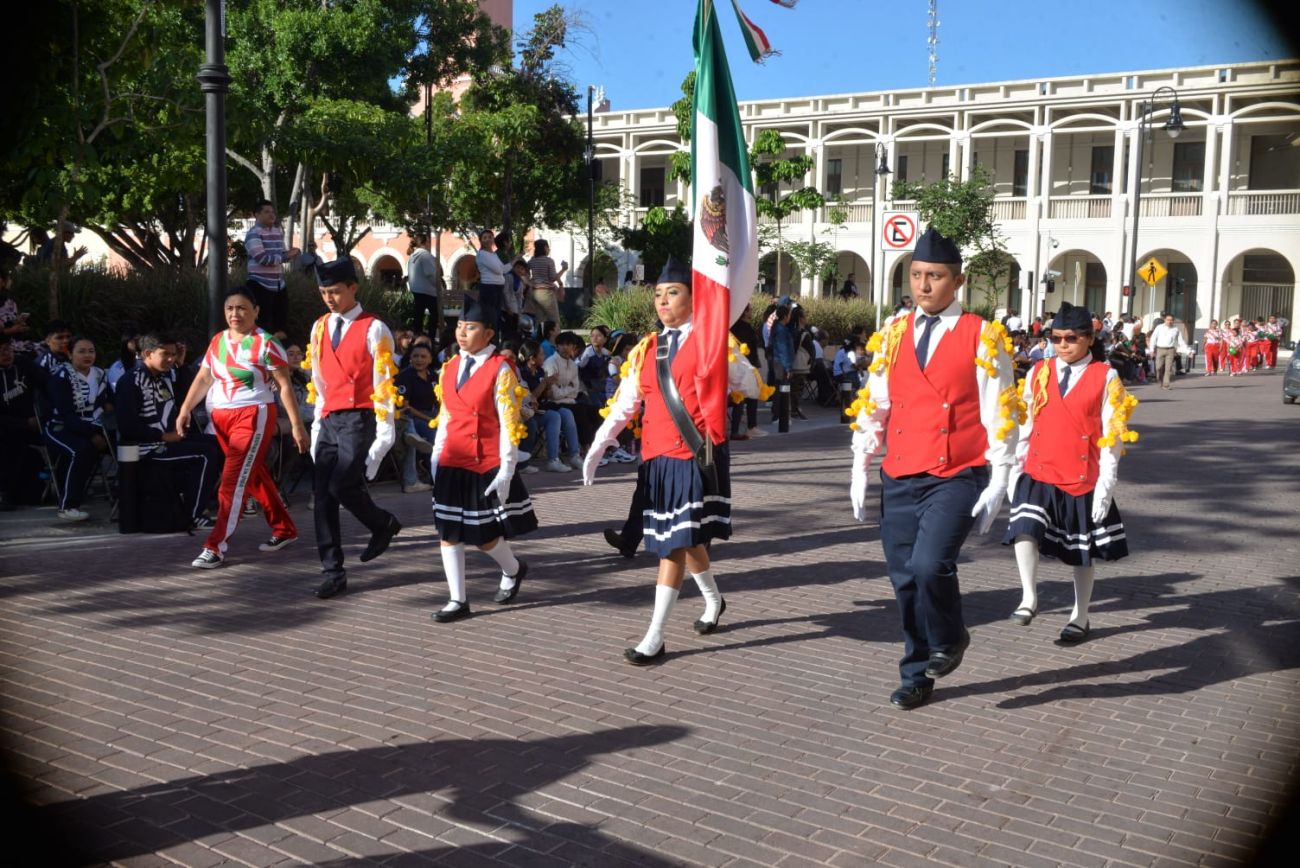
x,y
214,80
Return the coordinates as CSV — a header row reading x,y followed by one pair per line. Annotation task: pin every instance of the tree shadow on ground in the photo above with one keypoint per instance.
x,y
461,782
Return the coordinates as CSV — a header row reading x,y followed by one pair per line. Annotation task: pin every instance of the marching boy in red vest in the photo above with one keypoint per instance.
x,y
351,361
940,394
1071,438
477,498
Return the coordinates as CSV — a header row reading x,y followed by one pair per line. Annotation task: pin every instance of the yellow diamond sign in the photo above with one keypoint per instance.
x,y
1152,271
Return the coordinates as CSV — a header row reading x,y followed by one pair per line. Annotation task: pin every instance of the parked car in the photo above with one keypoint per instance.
x,y
1291,380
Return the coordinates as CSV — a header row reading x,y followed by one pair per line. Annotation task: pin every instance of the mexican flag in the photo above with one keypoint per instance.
x,y
724,256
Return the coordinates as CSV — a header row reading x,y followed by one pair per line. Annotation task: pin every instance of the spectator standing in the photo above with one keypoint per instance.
x,y
45,253
424,279
849,289
240,363
1165,344
548,289
79,395
782,345
743,331
265,248
491,272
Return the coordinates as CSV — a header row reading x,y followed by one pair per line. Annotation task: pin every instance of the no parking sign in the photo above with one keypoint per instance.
x,y
898,230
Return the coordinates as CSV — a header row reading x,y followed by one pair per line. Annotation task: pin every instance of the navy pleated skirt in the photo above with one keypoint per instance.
x,y
679,513
1062,524
463,514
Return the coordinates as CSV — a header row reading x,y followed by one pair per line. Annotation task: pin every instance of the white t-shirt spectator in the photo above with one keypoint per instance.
x,y
242,370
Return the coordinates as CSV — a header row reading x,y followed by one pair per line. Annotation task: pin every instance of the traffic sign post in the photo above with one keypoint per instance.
x,y
898,230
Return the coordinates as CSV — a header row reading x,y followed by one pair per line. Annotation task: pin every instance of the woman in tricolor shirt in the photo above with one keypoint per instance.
x,y
236,376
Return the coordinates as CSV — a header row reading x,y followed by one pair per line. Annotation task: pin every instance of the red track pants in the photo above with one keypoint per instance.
x,y
245,434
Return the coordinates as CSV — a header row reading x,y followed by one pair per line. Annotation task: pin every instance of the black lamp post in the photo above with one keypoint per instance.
x,y
590,155
1174,125
214,80
882,169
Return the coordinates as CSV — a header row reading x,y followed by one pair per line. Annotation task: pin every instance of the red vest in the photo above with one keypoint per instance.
x,y
348,371
1063,448
934,418
659,435
473,439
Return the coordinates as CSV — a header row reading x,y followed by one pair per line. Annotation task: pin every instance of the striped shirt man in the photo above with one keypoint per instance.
x,y
264,246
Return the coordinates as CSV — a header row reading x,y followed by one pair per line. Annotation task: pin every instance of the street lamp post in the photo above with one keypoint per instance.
x,y
214,81
590,156
1174,125
878,288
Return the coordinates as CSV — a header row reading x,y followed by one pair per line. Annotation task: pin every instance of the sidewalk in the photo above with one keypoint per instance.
x,y
163,716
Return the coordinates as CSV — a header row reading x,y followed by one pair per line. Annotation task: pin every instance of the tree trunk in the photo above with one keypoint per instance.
x,y
56,254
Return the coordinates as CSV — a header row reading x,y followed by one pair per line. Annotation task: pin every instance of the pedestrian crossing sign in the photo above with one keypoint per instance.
x,y
1152,271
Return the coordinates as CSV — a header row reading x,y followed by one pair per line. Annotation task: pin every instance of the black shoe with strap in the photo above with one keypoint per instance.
x,y
505,596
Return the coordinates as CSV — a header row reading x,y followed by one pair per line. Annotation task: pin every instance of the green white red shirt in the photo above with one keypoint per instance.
x,y
241,370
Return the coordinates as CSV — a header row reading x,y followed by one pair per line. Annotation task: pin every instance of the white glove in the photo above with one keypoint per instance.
x,y
990,503
858,491
433,469
383,442
500,485
1101,497
592,461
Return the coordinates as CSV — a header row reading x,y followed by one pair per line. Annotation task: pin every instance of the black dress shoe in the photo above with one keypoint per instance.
x,y
704,627
636,658
946,662
454,615
908,698
616,541
380,539
332,586
504,596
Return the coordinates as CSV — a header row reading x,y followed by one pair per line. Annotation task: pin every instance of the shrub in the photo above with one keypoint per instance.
x,y
835,316
631,309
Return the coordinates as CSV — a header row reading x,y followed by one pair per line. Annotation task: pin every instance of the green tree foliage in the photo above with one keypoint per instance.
x,y
963,211
662,233
772,172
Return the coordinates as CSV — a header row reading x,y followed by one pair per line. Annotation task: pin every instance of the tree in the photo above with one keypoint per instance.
x,y
662,233
771,170
963,211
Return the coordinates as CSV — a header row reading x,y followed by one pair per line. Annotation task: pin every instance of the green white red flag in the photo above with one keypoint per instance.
x,y
724,256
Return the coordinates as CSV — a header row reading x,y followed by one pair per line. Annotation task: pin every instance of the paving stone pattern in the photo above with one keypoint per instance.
x,y
161,715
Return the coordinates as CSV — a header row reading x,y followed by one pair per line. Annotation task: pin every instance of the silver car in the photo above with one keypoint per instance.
x,y
1291,380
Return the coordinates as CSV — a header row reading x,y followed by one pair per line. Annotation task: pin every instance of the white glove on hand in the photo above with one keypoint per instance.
x,y
990,503
1101,497
383,442
592,461
500,485
858,491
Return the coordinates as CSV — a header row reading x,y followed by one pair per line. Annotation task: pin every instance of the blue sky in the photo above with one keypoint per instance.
x,y
640,49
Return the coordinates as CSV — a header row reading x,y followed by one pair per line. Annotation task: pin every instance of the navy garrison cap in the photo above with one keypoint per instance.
x,y
934,247
675,271
1072,318
479,313
341,270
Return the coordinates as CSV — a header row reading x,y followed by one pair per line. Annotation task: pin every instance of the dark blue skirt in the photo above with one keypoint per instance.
x,y
463,514
1062,524
679,514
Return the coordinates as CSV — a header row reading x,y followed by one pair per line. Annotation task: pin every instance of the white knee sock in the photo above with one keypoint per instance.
x,y
506,560
1027,562
453,564
1082,595
665,596
709,591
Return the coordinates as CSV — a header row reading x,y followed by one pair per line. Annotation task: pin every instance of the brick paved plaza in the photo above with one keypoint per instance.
x,y
160,715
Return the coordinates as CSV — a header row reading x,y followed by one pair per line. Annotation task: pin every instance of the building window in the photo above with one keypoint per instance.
x,y
1103,161
652,186
834,177
1094,286
944,170
1189,167
901,173
1020,180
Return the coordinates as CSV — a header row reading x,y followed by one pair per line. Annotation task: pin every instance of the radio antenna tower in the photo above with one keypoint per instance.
x,y
933,40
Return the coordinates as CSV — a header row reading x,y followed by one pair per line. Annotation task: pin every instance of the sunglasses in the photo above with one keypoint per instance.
x,y
1066,339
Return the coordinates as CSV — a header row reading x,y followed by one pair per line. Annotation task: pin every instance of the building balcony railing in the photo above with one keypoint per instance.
x,y
1078,207
854,212
1005,210
1252,202
1171,204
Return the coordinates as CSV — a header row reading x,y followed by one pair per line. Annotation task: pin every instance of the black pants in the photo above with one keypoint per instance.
x,y
748,410
19,465
74,457
424,307
634,528
196,464
273,308
340,479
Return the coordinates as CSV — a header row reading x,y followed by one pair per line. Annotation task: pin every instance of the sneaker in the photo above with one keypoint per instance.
x,y
555,465
604,460
203,523
208,560
529,468
419,486
757,432
73,514
250,507
418,443
622,456
574,461
274,544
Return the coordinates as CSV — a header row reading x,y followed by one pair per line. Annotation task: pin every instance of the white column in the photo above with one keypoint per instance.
x,y
1045,181
1225,166
1115,282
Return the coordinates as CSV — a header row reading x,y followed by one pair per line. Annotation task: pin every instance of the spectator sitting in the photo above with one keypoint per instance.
x,y
550,328
13,322
79,395
555,419
287,457
566,390
126,354
52,353
19,465
593,366
146,415
415,384
402,338
1038,351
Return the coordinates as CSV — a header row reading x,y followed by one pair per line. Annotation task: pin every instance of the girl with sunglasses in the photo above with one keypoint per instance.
x,y
1074,422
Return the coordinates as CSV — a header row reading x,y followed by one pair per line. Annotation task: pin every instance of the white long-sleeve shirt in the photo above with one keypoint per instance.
x,y
505,446
1108,461
872,422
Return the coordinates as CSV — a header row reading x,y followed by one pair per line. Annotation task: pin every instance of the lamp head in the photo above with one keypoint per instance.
x,y
1175,124
883,168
